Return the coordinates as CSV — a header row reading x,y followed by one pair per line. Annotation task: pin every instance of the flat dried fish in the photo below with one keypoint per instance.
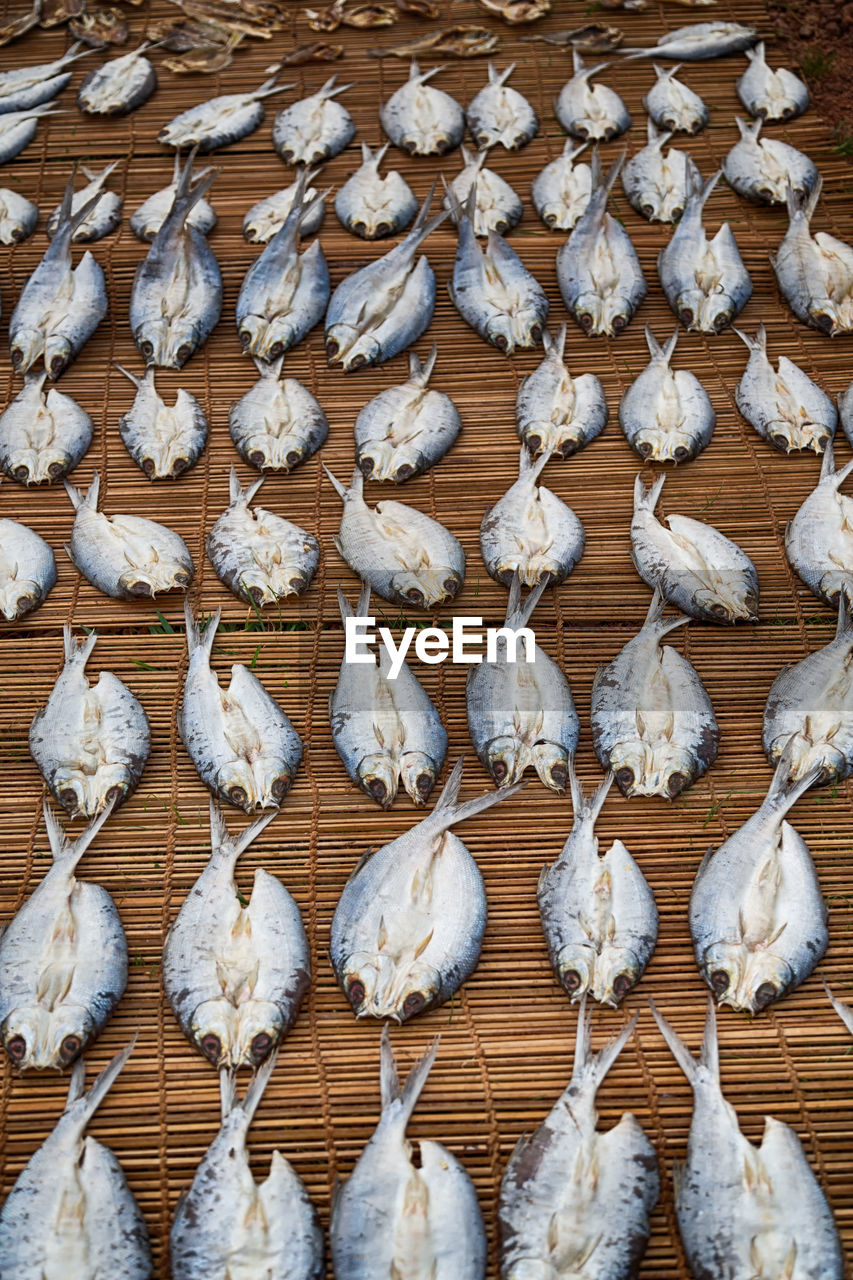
x,y
456,42
20,26
100,28
206,58
515,12
316,52
595,37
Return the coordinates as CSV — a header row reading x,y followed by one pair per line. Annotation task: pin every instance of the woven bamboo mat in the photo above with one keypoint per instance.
x,y
506,1042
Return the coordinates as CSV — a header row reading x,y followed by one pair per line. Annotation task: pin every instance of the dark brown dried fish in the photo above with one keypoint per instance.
x,y
419,9
180,34
328,19
55,12
20,26
515,12
206,58
358,15
231,19
316,52
100,28
455,42
593,38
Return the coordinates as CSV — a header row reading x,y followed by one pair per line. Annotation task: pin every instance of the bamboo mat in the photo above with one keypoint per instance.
x,y
507,1039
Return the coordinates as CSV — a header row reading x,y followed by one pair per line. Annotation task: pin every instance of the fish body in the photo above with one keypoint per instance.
x,y
520,713
757,915
500,116
574,1201
23,88
371,206
268,216
785,406
666,414
819,538
127,557
27,570
530,531
771,95
284,293
845,412
278,423
395,1218
152,213
234,971
694,566
404,555
90,742
71,1211
315,128
18,128
103,217
240,741
219,121
60,306
385,731
420,119
705,281
42,437
700,40
18,217
763,169
745,1210
119,86
659,185
260,556
815,273
591,112
562,191
164,441
409,924
811,703
492,289
176,297
406,429
63,960
652,720
554,412
498,208
382,308
598,270
227,1223
673,106
598,912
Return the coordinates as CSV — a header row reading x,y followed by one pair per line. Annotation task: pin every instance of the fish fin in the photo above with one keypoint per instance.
x,y
655,349
708,1056
448,811
236,492
528,467
87,499
344,605
195,639
845,623
424,371
647,499
227,1092
252,832
137,382
655,618
592,1068
749,129
844,1011
75,650
340,489
269,87
100,1088
782,791
416,1079
258,1084
702,195
499,78
518,612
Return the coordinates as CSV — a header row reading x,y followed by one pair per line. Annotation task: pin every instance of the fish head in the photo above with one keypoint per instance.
x,y
527,326
505,760
274,779
385,986
657,445
162,575
181,342
672,768
418,774
377,460
213,1031
260,1026
788,437
689,307
58,354
377,776
499,330
365,350
252,331
90,793
152,339
716,312
425,587
34,1037
651,205
805,754
616,315
575,967
629,762
823,315
744,978
617,970
26,347
728,603
339,338
588,312
255,588
276,452
551,762
19,596
38,466
166,459
834,584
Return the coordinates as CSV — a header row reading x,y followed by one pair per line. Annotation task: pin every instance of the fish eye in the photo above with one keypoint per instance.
x,y
415,597
534,443
293,458
451,585
332,349
376,788
719,610
148,466
237,795
69,1048
647,210
358,361
287,156
297,584
355,993
681,453
114,794
183,353
765,995
581,132
622,985
676,782
677,211
21,473
403,472
260,1046
499,770
502,226
17,357
181,580
722,320
536,333
765,193
550,220
366,465
276,350
280,787
257,458
685,315
245,339
57,364
501,342
559,775
720,981
147,349
625,778
568,447
16,1048
211,1047
619,322
571,980
414,1002
423,784
384,229
585,321
359,226
179,466
55,470
824,322
68,799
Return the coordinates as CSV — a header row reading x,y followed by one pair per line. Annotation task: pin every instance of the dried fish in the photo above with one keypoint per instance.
x,y
595,37
463,41
359,16
30,86
119,86
420,119
27,570
316,52
515,12
207,58
55,12
419,9
100,28
20,26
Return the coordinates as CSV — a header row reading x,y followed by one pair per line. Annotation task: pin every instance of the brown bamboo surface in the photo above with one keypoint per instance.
x,y
506,1042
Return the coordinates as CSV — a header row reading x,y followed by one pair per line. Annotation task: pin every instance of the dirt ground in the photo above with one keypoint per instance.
x,y
816,37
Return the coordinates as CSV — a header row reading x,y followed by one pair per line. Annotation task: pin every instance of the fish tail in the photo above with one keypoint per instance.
x,y
252,832
647,499
81,844
415,72
195,639
77,650
528,467
748,129
89,1102
448,811
424,371
518,612
845,625
655,618
340,489
271,86
844,1011
344,605
709,1054
236,491
590,1069
227,1091
188,195
555,346
258,1085
758,343
783,793
660,136
89,498
415,1080
702,195
137,382
500,78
